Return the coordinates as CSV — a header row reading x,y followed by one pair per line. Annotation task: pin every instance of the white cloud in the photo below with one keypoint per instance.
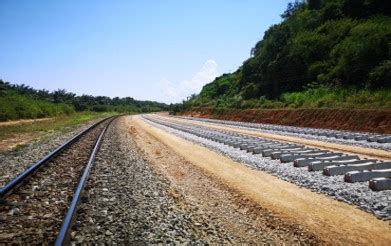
x,y
168,88
176,92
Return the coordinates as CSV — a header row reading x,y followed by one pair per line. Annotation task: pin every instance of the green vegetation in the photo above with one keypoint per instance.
x,y
338,98
15,106
23,102
323,97
61,123
334,53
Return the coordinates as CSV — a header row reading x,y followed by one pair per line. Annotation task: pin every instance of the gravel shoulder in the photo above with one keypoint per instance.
x,y
128,202
330,220
16,161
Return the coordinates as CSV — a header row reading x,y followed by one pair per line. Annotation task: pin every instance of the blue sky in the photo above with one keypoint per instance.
x,y
155,50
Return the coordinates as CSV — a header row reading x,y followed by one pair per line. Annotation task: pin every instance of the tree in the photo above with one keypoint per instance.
x,y
291,8
314,4
333,42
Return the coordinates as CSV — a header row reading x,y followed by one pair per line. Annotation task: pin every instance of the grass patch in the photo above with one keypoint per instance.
x,y
338,98
62,123
323,97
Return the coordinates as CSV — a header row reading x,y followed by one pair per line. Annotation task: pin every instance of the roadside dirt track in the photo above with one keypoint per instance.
x,y
331,221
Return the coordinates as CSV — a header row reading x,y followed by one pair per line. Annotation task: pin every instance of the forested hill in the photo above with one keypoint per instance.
x,y
24,102
319,44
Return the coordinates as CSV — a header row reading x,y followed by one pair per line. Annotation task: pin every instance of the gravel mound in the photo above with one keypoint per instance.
x,y
358,194
127,202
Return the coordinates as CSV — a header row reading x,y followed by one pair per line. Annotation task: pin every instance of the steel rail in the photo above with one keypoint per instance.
x,y
63,236
16,182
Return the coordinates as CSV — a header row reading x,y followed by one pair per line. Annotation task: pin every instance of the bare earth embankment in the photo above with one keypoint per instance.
x,y
363,120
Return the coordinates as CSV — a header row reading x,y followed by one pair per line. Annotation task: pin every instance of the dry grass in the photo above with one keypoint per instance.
x,y
25,131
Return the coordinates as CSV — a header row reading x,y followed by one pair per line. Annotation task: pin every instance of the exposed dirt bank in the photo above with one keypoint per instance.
x,y
378,121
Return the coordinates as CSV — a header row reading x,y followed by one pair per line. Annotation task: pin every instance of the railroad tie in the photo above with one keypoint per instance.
x,y
320,165
384,139
251,146
378,184
305,161
366,175
374,138
261,148
276,149
349,136
294,156
279,154
368,165
361,137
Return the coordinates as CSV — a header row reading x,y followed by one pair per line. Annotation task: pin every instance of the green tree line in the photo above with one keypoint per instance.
x,y
22,102
336,44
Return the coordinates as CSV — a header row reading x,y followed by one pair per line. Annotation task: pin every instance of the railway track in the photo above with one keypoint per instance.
x,y
331,163
40,204
328,171
381,141
344,135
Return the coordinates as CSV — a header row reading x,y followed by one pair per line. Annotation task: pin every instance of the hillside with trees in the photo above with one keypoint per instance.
x,y
24,102
334,53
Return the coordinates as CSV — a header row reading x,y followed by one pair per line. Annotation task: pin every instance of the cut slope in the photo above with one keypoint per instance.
x,y
377,121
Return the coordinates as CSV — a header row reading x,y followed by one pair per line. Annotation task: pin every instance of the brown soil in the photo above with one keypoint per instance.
x,y
377,121
331,221
17,122
17,140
